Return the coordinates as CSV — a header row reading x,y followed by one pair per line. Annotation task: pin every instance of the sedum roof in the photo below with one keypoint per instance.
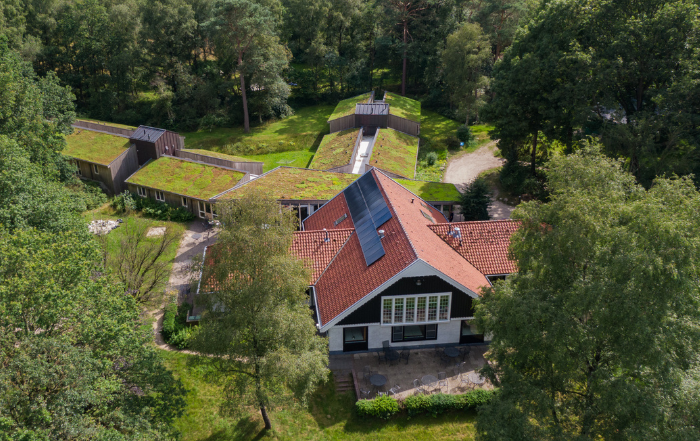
x,y
403,107
97,147
335,150
347,106
431,191
395,152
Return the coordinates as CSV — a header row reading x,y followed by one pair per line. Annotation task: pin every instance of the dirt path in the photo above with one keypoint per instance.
x,y
463,169
193,241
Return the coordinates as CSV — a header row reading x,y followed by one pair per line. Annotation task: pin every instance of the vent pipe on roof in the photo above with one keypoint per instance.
x,y
326,239
413,199
381,234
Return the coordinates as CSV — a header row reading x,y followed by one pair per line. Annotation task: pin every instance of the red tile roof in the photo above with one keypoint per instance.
x,y
484,244
328,214
312,247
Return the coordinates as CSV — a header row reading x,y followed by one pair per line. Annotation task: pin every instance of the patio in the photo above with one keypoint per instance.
x,y
421,363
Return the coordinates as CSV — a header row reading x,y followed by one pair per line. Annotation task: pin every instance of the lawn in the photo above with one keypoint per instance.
x,y
432,191
218,155
329,417
287,183
271,161
395,152
107,123
335,150
186,178
404,107
347,106
100,148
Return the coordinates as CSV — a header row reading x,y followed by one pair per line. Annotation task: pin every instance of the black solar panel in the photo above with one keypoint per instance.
x,y
369,211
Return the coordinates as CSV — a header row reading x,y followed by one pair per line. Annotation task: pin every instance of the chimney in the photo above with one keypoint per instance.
x,y
381,234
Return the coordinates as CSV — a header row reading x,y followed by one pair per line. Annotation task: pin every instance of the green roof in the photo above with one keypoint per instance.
x,y
288,183
432,191
347,106
96,147
403,107
107,123
335,150
191,179
395,152
217,155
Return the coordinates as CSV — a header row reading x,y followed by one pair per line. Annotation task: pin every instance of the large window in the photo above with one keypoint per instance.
x,y
416,309
413,333
469,333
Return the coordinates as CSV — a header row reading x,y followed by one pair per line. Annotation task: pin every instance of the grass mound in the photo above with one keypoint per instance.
x,y
335,150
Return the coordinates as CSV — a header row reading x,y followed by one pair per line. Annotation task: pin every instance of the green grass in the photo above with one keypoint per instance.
x,y
300,159
95,147
296,184
395,152
431,191
404,107
347,106
329,417
335,150
217,155
186,178
302,129
121,126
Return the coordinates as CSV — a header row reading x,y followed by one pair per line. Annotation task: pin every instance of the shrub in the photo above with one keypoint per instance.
x,y
464,134
150,208
475,201
175,330
123,202
381,407
169,325
94,196
181,339
440,403
431,158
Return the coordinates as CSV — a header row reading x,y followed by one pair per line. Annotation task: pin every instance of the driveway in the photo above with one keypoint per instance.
x,y
464,169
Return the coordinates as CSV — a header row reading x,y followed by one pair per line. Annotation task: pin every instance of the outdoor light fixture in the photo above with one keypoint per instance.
x,y
418,282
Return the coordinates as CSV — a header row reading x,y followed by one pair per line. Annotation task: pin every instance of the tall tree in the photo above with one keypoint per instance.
x,y
592,338
404,11
464,60
237,27
258,324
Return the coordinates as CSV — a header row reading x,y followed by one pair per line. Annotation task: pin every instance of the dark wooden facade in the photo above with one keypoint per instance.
x,y
111,176
174,199
152,143
370,312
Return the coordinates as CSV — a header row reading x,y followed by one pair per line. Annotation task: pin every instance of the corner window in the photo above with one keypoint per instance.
x,y
413,333
160,196
416,309
141,191
469,333
95,169
203,209
184,202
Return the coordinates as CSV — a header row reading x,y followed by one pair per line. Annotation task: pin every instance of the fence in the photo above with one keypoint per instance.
x,y
255,168
342,123
103,128
403,125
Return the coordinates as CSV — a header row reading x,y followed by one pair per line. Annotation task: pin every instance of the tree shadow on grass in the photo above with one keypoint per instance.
x,y
247,428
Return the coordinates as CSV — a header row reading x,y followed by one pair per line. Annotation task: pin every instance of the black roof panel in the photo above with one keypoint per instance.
x,y
145,133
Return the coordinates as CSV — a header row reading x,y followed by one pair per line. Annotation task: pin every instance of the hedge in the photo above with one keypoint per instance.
x,y
175,330
384,407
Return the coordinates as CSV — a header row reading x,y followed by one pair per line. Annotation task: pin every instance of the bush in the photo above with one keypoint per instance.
x,y
123,202
181,339
518,180
169,326
431,158
440,403
381,407
475,201
150,208
464,134
175,330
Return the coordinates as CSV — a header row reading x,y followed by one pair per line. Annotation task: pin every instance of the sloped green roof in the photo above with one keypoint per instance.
x,y
347,106
395,152
432,191
100,148
335,150
218,155
403,107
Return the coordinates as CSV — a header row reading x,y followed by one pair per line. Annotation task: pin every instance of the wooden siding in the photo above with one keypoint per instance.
x,y
104,176
168,139
124,166
371,120
370,312
171,199
255,168
103,128
145,151
403,125
342,123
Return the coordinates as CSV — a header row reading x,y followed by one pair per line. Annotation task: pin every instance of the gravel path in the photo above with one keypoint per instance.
x,y
464,169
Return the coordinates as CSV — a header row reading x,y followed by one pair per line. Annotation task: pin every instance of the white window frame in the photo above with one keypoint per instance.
x,y
141,191
95,169
184,202
415,309
202,209
80,172
160,197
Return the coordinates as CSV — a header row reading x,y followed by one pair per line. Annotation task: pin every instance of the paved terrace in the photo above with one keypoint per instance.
x,y
421,362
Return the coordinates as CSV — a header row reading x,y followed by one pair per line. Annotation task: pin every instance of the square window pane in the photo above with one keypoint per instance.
x,y
413,332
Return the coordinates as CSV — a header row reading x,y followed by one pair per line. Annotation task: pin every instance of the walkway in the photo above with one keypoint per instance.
x,y
466,168
363,153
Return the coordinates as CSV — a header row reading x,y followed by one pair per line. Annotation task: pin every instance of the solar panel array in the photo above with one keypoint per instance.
x,y
369,211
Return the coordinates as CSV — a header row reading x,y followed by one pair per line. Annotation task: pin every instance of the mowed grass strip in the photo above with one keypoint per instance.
x,y
432,191
107,123
187,178
395,152
335,150
403,107
100,148
288,183
347,106
218,155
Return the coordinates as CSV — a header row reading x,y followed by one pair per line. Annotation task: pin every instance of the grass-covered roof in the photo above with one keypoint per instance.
x,y
96,147
347,106
218,155
335,150
287,183
395,152
403,107
191,179
432,191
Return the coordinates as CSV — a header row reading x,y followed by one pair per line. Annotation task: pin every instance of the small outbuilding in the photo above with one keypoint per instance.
x,y
152,143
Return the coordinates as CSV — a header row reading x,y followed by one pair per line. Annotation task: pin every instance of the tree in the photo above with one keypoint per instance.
x,y
475,201
236,28
464,59
139,261
404,11
75,362
258,326
594,335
